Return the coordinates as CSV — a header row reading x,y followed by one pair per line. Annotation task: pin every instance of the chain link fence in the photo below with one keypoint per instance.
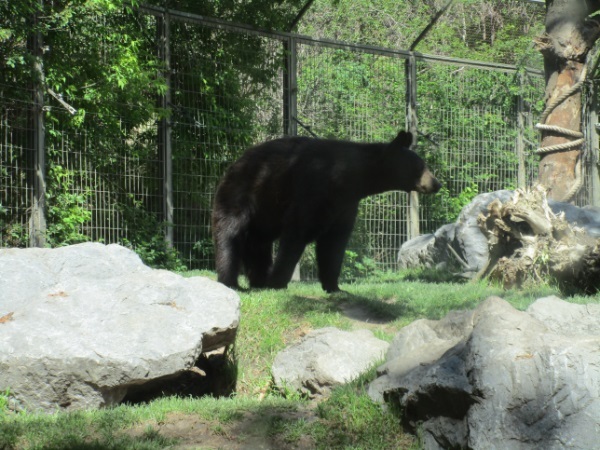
x,y
133,176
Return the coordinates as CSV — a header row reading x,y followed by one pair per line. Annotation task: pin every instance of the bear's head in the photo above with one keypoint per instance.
x,y
410,171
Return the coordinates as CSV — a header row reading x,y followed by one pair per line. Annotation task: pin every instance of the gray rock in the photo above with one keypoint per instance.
x,y
416,346
428,250
587,217
87,322
326,358
513,380
560,316
463,236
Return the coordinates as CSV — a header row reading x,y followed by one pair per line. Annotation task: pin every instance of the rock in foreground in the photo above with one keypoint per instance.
x,y
80,325
326,358
499,378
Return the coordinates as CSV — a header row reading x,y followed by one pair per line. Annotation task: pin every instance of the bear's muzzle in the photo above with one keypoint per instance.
x,y
428,184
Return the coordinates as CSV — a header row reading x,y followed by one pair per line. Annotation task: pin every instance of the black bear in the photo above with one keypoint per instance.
x,y
300,190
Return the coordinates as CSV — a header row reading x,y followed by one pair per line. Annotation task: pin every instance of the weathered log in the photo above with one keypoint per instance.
x,y
528,243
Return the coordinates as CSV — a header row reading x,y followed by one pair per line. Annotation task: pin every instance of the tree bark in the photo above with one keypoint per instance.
x,y
569,37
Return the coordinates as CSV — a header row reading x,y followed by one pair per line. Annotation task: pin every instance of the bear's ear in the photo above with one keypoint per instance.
x,y
404,139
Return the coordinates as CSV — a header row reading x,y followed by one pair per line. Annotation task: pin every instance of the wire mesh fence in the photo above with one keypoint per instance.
x,y
230,88
16,177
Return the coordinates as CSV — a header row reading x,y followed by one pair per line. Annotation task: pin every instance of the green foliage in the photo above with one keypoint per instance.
x,y
13,234
67,211
4,402
452,205
357,267
147,238
104,167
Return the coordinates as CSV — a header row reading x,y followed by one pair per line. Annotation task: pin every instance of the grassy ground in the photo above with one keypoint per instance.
x,y
257,417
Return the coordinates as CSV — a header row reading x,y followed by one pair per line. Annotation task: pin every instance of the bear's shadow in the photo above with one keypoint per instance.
x,y
357,308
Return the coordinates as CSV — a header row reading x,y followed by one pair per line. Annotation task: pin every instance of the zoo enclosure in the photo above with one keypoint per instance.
x,y
231,86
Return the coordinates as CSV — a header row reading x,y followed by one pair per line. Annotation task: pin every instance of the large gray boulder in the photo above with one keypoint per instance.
x,y
463,236
81,325
499,378
326,358
464,241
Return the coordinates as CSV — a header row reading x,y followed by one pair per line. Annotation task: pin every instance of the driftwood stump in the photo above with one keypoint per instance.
x,y
528,244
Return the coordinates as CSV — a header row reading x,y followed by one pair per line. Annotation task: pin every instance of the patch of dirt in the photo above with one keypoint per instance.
x,y
363,316
251,431
256,430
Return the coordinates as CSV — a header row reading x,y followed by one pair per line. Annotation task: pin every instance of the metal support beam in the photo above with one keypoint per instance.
x,y
290,100
592,150
430,25
521,170
414,228
300,15
37,225
412,126
164,127
290,88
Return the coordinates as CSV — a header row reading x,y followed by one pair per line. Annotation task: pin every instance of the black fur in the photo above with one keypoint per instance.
x,y
300,190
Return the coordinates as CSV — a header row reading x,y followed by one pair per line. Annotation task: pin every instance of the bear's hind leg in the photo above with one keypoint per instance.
x,y
257,258
228,261
228,251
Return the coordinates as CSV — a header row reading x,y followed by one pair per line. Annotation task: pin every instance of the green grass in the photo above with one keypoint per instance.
x,y
272,320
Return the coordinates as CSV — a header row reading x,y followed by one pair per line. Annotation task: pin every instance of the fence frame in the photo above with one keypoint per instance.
x,y
290,41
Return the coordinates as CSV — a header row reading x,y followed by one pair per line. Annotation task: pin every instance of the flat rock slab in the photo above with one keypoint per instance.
x,y
79,325
326,358
496,377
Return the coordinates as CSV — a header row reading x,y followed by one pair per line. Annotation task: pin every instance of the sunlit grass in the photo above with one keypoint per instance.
x,y
270,321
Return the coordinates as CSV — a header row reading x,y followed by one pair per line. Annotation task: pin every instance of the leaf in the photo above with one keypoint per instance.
x,y
7,318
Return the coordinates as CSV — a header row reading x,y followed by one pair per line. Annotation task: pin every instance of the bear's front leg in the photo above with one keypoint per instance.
x,y
331,247
257,259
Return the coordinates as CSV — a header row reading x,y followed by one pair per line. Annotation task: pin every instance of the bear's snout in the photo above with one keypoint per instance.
x,y
428,184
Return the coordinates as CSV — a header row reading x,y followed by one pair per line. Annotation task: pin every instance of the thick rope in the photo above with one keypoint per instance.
x,y
565,95
572,133
559,147
566,132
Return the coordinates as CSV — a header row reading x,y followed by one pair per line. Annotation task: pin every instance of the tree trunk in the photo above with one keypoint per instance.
x,y
569,37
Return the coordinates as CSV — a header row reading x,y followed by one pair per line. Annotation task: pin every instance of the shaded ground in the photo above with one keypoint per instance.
x,y
250,431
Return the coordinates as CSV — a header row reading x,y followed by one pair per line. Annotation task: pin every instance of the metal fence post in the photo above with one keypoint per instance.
x,y
37,226
164,127
290,87
593,146
412,126
521,171
290,101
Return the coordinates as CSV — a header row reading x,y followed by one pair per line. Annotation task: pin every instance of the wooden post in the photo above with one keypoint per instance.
x,y
37,225
164,127
412,126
